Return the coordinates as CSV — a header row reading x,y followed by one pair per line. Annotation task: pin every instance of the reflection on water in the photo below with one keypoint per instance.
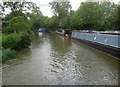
x,y
54,60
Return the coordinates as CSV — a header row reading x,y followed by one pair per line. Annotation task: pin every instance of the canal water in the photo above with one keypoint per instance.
x,y
55,60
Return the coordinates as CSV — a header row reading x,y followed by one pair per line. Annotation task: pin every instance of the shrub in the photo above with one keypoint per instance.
x,y
25,39
5,41
7,54
10,41
16,36
13,42
16,41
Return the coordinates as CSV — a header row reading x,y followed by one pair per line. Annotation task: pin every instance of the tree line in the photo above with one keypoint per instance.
x,y
96,16
89,16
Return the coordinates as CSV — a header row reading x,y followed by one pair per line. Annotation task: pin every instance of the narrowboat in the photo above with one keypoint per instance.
x,y
44,30
106,41
64,32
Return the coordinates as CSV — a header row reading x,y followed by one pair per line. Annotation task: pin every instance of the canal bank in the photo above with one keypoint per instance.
x,y
54,60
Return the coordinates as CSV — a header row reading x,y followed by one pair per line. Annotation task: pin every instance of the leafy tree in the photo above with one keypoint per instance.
x,y
21,6
109,18
61,10
34,19
18,9
16,25
53,23
96,16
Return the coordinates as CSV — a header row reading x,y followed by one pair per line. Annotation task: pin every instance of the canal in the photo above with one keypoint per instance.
x,y
54,60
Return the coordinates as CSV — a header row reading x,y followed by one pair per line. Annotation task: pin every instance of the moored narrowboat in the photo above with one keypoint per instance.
x,y
64,32
106,41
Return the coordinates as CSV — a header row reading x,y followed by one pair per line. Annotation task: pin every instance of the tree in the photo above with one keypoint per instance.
x,y
16,25
96,16
53,23
18,8
34,19
109,18
61,10
29,10
21,6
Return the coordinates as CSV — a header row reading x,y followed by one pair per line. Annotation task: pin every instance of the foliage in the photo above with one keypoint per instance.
x,y
11,15
109,19
7,54
96,16
34,19
25,40
13,42
16,41
20,5
18,8
10,41
61,10
16,36
53,23
16,25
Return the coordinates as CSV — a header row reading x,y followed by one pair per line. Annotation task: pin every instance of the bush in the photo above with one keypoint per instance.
x,y
16,41
16,36
13,42
25,40
10,41
7,54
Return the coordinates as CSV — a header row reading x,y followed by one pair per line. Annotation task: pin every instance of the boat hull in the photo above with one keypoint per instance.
x,y
103,42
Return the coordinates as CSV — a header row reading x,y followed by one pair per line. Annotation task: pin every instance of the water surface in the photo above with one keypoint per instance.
x,y
54,60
